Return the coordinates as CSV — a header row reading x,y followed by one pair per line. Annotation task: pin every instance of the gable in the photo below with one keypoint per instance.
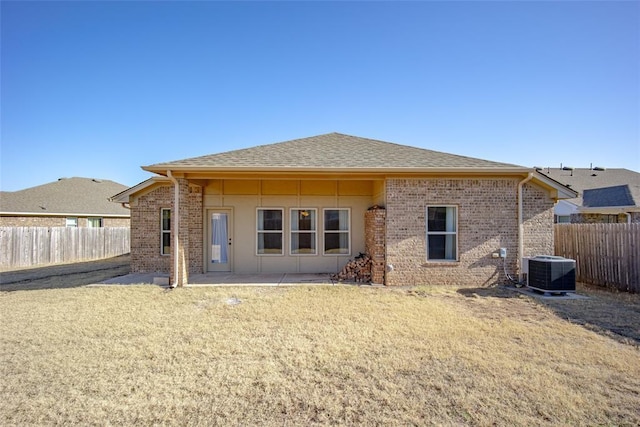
x,y
329,152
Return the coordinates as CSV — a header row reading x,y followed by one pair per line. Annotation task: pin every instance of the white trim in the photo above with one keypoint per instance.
x,y
442,233
314,231
325,231
92,214
123,197
282,231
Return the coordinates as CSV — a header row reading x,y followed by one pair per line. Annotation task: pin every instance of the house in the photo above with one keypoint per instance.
x,y
70,202
311,204
605,195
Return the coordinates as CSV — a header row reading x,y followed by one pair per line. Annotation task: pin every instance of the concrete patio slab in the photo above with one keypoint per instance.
x,y
225,279
548,295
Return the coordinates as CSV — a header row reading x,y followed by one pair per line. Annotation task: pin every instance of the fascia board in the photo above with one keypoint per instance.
x,y
80,214
477,170
123,197
609,209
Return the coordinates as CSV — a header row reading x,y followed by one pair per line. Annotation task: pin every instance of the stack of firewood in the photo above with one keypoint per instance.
x,y
356,270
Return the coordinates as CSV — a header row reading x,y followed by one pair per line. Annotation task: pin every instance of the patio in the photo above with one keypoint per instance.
x,y
227,279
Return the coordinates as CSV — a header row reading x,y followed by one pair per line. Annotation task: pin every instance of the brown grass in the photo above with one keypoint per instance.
x,y
69,275
304,356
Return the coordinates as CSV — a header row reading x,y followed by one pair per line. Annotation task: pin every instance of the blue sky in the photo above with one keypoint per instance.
x,y
97,89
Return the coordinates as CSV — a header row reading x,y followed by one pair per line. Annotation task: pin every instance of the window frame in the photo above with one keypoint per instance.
x,y
455,233
164,231
281,231
71,222
314,232
95,218
325,231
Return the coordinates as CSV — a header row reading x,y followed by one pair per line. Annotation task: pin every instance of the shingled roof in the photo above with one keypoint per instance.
x,y
332,151
599,188
76,196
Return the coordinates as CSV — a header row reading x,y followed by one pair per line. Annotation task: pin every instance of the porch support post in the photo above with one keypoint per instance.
x,y
375,242
180,228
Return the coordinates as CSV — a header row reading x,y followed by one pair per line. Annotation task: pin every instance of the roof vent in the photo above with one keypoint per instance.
x,y
598,168
568,168
96,180
538,168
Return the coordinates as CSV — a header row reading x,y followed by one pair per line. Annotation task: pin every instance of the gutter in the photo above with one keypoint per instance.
x,y
176,219
520,223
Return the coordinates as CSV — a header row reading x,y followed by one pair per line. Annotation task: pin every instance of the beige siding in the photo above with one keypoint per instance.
x,y
245,197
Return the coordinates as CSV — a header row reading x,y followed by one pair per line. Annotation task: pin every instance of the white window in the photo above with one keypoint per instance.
x,y
71,222
270,231
337,232
303,232
165,231
442,226
94,222
563,219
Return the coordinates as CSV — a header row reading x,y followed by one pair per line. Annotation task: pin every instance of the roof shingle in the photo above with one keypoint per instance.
x,y
331,151
65,196
600,188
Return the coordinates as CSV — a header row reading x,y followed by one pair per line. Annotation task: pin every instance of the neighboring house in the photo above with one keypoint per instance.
x,y
309,205
605,195
70,202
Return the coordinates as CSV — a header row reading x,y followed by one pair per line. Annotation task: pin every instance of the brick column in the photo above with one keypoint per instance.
x,y
183,235
374,232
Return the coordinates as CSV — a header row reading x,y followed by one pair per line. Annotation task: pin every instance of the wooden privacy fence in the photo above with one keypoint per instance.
x,y
26,246
606,254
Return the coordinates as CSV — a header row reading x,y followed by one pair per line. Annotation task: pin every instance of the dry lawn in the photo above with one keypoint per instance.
x,y
304,356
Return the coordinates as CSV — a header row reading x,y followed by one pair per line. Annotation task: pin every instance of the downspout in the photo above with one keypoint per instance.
x,y
628,214
176,219
521,223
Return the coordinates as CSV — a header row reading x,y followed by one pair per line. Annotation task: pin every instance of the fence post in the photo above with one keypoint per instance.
x,y
30,246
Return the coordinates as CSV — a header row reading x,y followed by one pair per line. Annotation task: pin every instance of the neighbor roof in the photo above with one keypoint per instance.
x,y
332,151
67,196
599,188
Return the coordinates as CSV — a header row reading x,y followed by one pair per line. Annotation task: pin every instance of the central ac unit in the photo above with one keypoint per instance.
x,y
552,274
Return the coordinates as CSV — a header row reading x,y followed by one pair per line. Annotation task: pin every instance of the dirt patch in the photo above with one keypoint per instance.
x,y
611,313
64,275
616,314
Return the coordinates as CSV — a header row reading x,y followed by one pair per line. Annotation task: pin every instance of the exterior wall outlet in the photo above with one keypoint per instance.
x,y
503,252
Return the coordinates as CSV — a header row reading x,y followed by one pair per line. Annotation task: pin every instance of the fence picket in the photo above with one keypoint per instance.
x,y
605,254
28,246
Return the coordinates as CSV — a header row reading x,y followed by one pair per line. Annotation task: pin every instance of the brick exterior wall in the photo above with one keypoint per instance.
x,y
32,221
145,230
56,221
537,215
582,218
374,232
487,220
196,256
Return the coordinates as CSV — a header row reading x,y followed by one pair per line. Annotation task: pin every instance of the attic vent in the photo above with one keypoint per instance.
x,y
96,180
598,168
60,179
